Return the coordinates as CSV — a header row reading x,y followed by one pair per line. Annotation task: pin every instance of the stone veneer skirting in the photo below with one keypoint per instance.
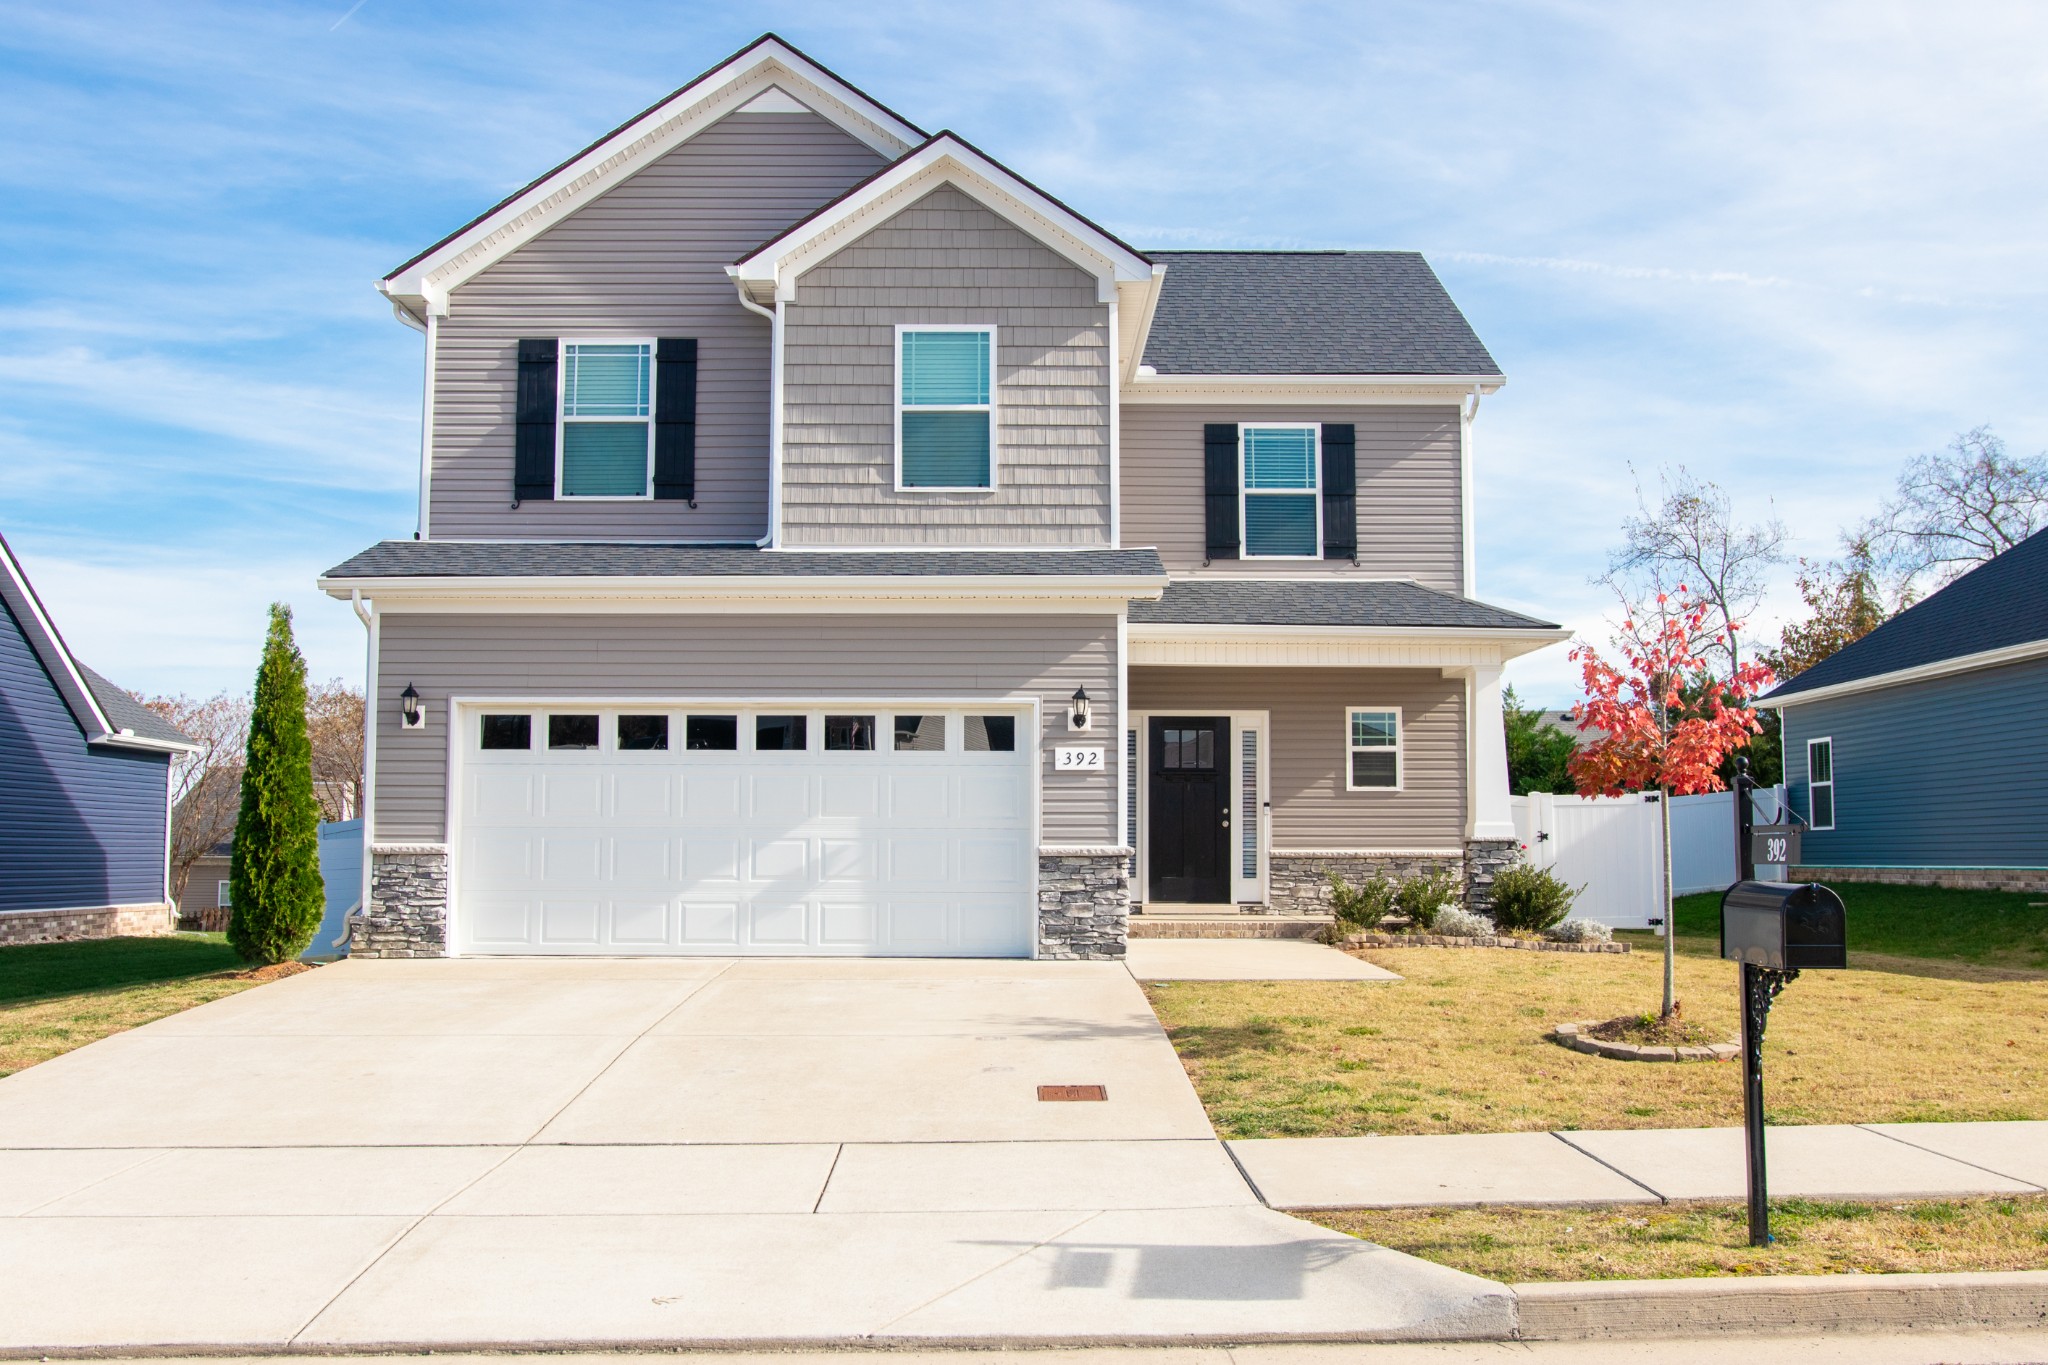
x,y
1084,903
69,926
1958,878
1297,881
408,911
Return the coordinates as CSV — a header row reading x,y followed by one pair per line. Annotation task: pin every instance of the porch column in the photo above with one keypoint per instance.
x,y
1487,815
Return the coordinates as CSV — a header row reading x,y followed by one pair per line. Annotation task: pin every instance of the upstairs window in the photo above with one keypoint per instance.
x,y
1820,783
1280,492
607,419
945,409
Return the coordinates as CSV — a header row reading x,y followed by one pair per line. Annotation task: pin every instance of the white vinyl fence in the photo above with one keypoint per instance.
x,y
1613,847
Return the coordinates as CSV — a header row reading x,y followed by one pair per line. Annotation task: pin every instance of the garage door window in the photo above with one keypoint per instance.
x,y
991,734
777,733
641,733
508,732
572,732
921,734
712,732
850,733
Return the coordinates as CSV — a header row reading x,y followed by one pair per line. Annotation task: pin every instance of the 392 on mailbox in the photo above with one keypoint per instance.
x,y
1784,925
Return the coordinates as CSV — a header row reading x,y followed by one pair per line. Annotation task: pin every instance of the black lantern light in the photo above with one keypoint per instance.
x,y
1079,718
409,707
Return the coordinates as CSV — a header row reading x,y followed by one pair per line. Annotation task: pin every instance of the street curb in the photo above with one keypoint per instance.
x,y
1771,1305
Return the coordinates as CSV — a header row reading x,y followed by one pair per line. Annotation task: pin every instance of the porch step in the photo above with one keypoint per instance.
x,y
1152,924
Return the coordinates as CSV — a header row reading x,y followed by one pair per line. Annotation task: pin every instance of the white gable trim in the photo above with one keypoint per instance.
x,y
769,65
1899,677
944,160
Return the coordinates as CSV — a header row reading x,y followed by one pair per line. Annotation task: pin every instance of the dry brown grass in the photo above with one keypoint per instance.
x,y
42,1029
1657,1243
1459,1045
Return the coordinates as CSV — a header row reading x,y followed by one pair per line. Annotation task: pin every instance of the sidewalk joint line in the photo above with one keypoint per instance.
x,y
1658,1195
1231,1152
1004,1264
837,1152
92,1184
1975,1166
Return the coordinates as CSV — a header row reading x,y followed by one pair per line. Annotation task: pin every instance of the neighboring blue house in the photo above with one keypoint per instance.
x,y
1920,752
84,788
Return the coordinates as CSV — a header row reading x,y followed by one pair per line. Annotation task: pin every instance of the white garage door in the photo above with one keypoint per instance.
x,y
871,831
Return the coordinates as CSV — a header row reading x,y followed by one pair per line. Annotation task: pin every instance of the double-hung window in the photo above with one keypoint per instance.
x,y
1820,783
1280,490
945,408
607,443
1373,758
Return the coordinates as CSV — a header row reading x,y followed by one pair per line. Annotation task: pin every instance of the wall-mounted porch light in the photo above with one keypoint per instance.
x,y
1078,718
409,708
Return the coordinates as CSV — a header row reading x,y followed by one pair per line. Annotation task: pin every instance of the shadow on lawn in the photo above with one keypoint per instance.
x,y
48,971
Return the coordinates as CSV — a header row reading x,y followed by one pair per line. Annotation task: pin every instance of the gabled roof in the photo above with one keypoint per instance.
x,y
1363,603
1310,313
106,713
944,158
764,65
1996,613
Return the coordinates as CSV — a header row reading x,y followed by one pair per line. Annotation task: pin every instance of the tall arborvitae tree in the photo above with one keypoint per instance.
x,y
275,879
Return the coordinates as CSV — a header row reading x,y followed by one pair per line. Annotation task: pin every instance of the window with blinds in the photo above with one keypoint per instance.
x,y
1280,492
607,418
945,408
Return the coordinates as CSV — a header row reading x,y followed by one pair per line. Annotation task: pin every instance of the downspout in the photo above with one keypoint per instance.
x,y
1468,412
367,616
774,316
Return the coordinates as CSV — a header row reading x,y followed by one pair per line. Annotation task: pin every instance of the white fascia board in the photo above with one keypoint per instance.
x,y
122,739
48,646
944,160
426,282
1306,388
1139,304
1940,668
783,594
1330,646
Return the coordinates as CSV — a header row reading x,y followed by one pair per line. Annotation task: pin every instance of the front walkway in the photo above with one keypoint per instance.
x,y
1647,1165
616,1152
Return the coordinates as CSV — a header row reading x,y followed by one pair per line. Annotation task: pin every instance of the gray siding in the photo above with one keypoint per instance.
x,y
1947,773
1311,809
646,259
946,258
845,655
1410,519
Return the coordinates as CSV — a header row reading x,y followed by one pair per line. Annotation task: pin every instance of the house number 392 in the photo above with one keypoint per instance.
x,y
1074,759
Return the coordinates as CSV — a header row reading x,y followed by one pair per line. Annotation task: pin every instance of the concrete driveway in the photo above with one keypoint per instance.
x,y
614,1151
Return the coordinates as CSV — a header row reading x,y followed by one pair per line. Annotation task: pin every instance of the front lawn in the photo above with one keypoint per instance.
x,y
1984,928
58,996
1459,1046
1641,1242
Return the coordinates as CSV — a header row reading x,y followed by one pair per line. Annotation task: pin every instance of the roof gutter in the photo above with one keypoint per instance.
x,y
1900,677
677,588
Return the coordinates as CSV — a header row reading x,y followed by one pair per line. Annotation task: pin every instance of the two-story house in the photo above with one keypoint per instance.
x,y
832,543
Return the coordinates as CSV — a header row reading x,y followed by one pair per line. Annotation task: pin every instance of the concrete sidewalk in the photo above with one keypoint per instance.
x,y
1646,1165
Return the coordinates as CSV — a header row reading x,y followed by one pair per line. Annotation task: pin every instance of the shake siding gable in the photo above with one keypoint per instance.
x,y
1409,514
645,260
1952,772
848,655
946,259
1310,746
82,827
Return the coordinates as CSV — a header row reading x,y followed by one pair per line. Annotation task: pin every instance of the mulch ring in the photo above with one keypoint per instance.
x,y
274,971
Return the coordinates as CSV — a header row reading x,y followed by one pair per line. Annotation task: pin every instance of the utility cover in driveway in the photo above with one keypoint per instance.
x,y
878,830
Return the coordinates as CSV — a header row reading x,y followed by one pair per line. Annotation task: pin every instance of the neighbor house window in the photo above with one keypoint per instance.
x,y
223,899
1820,783
1374,757
607,418
945,410
1281,494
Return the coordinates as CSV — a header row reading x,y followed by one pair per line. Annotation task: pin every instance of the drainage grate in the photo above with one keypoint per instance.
x,y
1072,1092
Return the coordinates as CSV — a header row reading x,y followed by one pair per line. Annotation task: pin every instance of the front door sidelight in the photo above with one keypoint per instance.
x,y
1188,821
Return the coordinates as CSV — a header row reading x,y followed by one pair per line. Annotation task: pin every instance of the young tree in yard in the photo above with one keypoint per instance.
x,y
334,727
1539,754
206,784
1668,721
1957,508
275,875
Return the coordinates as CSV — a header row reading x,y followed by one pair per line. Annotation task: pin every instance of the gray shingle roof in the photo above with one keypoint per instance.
x,y
1292,602
532,559
1309,312
124,712
1994,606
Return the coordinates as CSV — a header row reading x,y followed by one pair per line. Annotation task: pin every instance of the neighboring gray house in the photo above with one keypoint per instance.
x,y
1920,752
831,543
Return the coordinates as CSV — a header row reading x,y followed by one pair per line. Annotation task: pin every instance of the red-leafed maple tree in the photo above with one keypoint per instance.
x,y
1661,721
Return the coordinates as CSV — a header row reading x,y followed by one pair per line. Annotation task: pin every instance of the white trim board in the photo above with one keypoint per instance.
x,y
1105,597
1900,677
1330,646
1405,390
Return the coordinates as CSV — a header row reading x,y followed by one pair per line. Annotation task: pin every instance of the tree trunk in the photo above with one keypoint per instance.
x,y
1670,927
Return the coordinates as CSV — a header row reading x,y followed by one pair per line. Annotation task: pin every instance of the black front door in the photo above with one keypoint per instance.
x,y
1188,826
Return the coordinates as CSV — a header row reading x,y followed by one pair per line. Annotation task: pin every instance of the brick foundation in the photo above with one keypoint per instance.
x,y
1084,903
1958,878
408,911
70,926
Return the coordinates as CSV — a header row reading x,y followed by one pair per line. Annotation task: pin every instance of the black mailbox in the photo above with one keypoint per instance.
x,y
1784,925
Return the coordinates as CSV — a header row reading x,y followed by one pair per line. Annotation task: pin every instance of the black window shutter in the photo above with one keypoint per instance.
x,y
1340,490
533,463
1219,485
675,419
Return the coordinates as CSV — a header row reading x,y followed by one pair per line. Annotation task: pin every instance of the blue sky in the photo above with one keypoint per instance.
x,y
1788,246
